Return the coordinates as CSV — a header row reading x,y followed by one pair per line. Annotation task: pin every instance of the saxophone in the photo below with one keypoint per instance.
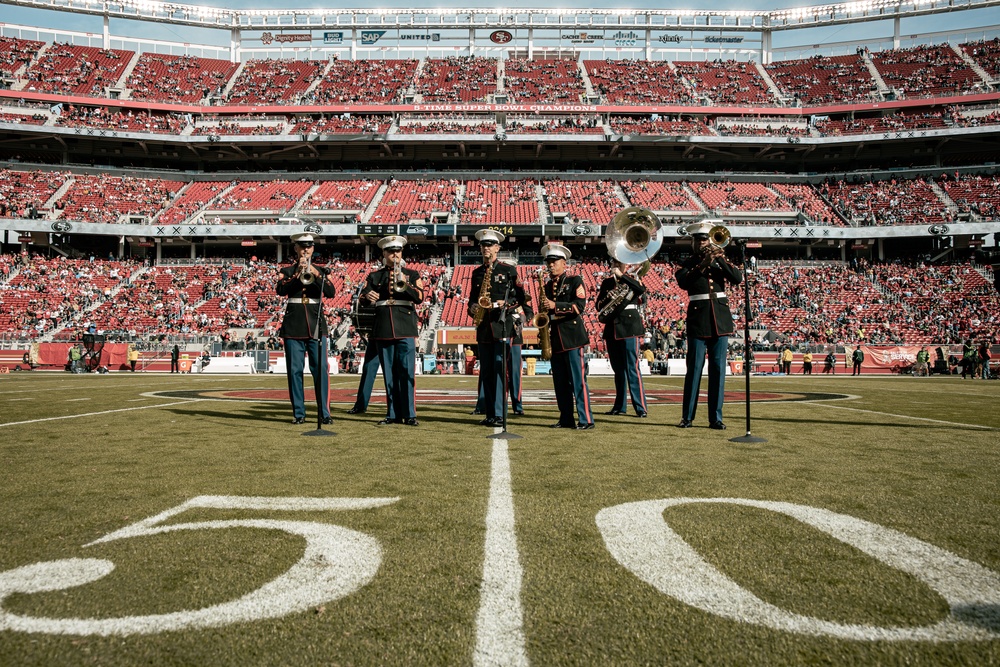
x,y
541,319
485,303
619,293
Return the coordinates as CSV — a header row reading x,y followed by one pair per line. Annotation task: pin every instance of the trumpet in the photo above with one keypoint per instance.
x,y
719,236
399,280
306,276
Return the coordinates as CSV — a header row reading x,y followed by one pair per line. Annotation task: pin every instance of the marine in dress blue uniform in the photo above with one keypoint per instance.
x,y
395,328
709,322
623,334
565,299
506,295
303,328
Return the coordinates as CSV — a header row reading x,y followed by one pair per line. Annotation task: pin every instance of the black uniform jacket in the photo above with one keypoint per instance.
x,y
397,317
300,318
567,330
623,322
504,284
708,318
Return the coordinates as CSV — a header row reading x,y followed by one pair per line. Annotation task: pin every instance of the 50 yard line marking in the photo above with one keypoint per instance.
x,y
500,621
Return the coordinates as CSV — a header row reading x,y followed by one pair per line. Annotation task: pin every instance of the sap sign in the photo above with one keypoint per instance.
x,y
371,36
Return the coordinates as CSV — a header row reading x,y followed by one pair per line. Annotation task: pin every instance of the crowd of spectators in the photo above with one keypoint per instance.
x,y
16,54
127,121
274,81
178,78
637,82
458,79
507,202
344,124
823,79
727,82
679,127
76,70
522,124
889,202
926,71
364,82
892,122
557,81
974,193
986,53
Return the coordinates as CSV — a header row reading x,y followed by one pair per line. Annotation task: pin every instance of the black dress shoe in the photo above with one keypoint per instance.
x,y
718,426
585,427
411,421
356,411
385,422
615,412
561,425
642,415
684,424
490,421
327,420
518,413
299,420
475,412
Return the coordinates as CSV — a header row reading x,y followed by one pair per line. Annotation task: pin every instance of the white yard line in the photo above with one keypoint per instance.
x,y
72,400
500,621
892,414
94,414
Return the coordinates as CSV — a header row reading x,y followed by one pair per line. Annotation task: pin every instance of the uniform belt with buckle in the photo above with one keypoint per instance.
x,y
393,302
706,297
631,306
306,300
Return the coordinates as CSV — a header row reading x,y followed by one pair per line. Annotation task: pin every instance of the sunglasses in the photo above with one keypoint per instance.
x,y
552,260
307,244
487,244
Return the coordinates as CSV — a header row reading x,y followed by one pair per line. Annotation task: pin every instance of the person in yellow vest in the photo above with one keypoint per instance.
x,y
786,360
133,357
807,363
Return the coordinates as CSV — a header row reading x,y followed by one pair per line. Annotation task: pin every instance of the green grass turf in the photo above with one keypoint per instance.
x,y
64,483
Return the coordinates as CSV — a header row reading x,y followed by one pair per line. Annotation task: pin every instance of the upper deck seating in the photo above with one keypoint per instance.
x,y
824,79
19,189
596,201
727,196
659,195
353,195
458,79
365,81
274,81
67,69
16,54
168,78
637,83
727,83
274,196
892,202
925,71
553,81
986,53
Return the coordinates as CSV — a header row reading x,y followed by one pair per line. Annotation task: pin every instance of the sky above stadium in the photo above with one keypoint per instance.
x,y
911,28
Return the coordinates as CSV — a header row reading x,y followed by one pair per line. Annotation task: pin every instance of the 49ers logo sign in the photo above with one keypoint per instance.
x,y
501,36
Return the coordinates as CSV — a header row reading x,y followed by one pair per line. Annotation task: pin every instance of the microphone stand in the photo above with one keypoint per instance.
x,y
747,367
315,333
503,434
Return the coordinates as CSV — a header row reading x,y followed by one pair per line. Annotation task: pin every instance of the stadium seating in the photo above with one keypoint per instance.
x,y
364,82
974,194
670,128
271,196
553,81
351,124
274,81
168,78
342,195
890,202
458,79
106,198
634,83
824,80
77,70
500,202
19,189
727,83
415,200
726,196
596,201
16,54
925,71
659,195
986,53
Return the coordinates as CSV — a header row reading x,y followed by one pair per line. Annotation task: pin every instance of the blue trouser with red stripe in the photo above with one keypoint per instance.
x,y
398,358
369,369
715,349
513,383
296,350
570,382
624,357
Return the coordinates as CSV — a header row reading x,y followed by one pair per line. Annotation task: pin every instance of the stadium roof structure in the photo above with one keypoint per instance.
x,y
688,19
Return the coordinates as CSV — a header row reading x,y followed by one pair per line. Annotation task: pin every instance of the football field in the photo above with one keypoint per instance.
x,y
183,520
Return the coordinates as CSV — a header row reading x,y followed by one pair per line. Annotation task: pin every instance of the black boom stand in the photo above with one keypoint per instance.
x,y
747,363
315,334
503,434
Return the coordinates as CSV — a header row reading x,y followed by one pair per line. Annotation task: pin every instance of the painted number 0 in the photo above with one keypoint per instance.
x,y
337,561
639,538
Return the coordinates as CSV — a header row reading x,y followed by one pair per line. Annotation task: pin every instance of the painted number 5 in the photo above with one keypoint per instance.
x,y
337,561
